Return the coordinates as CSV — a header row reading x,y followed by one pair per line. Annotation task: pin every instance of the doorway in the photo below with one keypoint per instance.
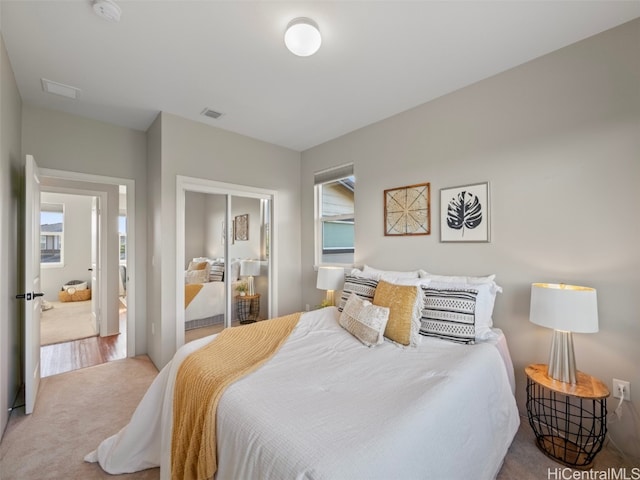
x,y
230,229
69,243
114,301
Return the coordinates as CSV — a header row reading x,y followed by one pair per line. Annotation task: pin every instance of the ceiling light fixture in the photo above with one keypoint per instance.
x,y
302,37
107,9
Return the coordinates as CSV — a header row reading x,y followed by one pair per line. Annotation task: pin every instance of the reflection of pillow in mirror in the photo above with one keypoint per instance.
x,y
234,270
197,265
216,273
197,276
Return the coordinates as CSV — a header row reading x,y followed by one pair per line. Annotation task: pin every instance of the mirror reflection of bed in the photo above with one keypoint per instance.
x,y
206,264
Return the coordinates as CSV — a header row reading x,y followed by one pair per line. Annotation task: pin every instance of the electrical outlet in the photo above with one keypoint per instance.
x,y
621,386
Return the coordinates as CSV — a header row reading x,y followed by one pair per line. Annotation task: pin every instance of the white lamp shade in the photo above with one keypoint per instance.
x,y
249,268
302,37
330,278
564,307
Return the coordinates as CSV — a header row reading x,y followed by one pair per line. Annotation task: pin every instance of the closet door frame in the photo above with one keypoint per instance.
x,y
199,185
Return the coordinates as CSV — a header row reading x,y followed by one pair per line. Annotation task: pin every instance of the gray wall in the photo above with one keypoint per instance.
x,y
204,214
11,204
558,139
195,226
66,142
76,244
183,147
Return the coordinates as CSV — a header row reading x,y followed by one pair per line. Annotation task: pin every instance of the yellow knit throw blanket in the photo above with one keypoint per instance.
x,y
203,377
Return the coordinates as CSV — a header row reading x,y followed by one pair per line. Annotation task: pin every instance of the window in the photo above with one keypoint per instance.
x,y
51,234
122,234
335,216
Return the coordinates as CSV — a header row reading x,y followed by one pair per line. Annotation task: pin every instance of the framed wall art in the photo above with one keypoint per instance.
x,y
241,227
407,210
464,213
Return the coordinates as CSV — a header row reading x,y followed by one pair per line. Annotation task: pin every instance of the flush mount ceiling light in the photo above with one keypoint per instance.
x,y
107,9
302,37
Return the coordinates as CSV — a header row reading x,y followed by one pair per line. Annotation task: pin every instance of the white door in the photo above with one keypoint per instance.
x,y
95,263
32,293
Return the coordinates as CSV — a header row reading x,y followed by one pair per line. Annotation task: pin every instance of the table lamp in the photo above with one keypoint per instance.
x,y
249,268
566,309
330,279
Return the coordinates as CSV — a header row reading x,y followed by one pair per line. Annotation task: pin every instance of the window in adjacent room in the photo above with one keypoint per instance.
x,y
335,216
122,234
51,234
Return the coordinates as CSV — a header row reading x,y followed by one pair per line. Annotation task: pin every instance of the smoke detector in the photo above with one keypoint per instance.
x,y
107,9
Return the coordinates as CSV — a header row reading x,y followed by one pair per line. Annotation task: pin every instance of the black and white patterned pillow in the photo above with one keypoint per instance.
x,y
364,288
216,273
449,314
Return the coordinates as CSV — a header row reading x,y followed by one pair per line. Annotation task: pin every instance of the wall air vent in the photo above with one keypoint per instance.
x,y
207,112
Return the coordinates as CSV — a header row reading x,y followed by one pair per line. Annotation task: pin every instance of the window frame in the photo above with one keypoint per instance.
x,y
121,236
330,176
60,263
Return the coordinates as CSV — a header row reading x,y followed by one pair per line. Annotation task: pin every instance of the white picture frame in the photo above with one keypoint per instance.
x,y
465,213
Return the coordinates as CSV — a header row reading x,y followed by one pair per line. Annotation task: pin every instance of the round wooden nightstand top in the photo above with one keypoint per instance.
x,y
586,386
247,297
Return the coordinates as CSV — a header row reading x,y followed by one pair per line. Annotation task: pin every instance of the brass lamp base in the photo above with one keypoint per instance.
x,y
329,299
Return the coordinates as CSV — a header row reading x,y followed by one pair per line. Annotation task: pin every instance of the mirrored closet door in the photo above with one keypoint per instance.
x,y
226,258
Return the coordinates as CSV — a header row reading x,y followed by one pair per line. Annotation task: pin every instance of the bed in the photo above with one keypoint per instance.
x,y
205,304
326,406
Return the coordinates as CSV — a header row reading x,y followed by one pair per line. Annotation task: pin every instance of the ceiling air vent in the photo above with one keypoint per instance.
x,y
207,112
56,88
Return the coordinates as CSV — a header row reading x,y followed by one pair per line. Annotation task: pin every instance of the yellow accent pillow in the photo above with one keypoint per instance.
x,y
197,265
404,303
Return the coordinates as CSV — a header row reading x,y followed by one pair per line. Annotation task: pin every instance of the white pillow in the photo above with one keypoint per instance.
x,y
234,270
364,320
457,279
377,274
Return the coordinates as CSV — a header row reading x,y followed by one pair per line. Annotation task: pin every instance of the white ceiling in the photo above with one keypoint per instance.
x,y
377,58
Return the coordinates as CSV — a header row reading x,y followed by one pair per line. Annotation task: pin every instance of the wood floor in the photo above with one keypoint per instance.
x,y
68,356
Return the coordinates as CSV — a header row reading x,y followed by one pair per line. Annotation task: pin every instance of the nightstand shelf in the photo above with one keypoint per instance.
x,y
569,421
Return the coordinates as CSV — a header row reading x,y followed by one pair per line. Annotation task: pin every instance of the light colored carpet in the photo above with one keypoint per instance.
x,y
65,322
77,410
74,412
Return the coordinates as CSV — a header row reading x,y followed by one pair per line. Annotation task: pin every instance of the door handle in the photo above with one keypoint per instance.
x,y
29,296
90,269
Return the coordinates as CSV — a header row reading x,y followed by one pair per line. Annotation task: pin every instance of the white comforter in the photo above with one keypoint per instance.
x,y
327,407
207,303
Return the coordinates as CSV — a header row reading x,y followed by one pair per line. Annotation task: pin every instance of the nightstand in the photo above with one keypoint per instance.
x,y
248,307
569,421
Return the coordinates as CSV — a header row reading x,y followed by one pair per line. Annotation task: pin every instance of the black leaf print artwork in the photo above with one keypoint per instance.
x,y
464,211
